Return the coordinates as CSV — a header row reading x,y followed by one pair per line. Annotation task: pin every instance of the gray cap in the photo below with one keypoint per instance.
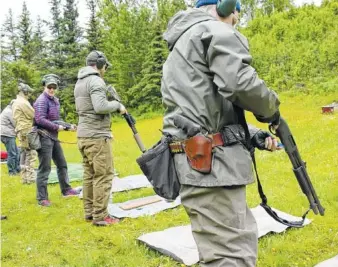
x,y
51,79
25,88
96,57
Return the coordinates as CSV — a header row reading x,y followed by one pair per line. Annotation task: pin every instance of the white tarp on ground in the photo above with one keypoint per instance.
x,y
333,262
128,183
178,242
115,209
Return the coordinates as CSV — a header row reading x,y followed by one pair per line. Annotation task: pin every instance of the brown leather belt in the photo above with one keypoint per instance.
x,y
178,147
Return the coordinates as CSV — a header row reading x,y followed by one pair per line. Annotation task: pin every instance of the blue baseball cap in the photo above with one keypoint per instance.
x,y
205,2
200,3
238,6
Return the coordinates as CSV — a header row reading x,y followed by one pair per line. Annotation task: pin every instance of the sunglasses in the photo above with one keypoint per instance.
x,y
51,87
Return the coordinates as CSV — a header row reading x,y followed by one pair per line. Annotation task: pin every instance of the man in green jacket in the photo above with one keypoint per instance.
x,y
207,78
23,115
95,137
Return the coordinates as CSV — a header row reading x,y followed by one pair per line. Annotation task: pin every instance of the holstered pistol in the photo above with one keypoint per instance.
x,y
199,153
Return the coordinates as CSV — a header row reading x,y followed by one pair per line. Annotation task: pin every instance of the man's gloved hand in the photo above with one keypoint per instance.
x,y
274,119
263,140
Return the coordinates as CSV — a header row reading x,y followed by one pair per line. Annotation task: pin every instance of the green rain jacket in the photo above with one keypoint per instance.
x,y
92,105
208,71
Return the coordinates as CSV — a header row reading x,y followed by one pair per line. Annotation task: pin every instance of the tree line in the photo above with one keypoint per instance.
x,y
294,48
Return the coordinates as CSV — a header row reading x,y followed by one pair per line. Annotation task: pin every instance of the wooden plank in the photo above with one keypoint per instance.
x,y
140,203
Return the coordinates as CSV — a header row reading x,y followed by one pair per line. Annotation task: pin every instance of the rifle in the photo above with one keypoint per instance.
x,y
113,95
65,125
299,166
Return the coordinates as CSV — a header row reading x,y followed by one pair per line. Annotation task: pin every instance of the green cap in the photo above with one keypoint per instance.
x,y
25,88
51,79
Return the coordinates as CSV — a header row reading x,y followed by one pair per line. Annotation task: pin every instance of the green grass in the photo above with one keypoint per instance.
x,y
58,236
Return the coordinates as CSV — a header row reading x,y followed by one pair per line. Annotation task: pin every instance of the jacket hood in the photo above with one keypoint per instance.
x,y
87,71
181,22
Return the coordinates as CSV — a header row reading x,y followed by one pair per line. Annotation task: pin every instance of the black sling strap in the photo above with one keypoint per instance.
x,y
298,224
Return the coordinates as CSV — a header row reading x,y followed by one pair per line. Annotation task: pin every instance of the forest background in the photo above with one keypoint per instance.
x,y
294,48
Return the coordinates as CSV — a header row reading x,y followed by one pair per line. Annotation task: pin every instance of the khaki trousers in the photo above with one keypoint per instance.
x,y
98,175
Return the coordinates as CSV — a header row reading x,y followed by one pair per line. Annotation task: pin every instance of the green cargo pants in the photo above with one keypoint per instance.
x,y
223,226
97,176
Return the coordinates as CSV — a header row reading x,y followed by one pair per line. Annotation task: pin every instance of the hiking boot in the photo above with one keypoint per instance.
x,y
71,193
44,203
106,221
88,218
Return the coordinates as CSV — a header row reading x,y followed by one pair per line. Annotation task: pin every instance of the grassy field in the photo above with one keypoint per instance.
x,y
58,236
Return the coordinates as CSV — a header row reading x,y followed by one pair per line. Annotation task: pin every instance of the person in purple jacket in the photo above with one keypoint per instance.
x,y
47,110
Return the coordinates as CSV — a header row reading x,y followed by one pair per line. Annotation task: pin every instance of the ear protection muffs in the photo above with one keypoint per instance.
x,y
44,79
225,7
101,60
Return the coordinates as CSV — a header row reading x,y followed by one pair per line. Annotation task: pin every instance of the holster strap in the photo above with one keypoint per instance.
x,y
178,147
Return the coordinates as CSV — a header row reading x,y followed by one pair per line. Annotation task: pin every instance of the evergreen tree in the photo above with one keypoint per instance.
x,y
168,8
55,26
146,95
55,44
39,45
94,31
253,8
25,34
72,56
126,35
9,39
71,32
11,74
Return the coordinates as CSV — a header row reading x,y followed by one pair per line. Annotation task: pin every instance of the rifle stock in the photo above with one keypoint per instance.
x,y
299,166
